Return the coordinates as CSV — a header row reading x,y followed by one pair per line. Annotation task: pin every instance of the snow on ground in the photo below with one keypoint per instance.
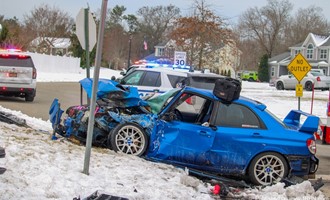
x,y
41,168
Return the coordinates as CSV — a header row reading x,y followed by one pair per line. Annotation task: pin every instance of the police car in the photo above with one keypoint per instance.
x,y
157,80
17,74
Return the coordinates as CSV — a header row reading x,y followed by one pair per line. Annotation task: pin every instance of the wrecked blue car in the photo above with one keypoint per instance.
x,y
193,128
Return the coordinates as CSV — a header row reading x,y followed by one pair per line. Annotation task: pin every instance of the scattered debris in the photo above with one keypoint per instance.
x,y
101,196
2,155
12,119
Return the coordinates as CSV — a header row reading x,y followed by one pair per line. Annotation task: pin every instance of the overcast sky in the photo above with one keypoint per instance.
x,y
229,9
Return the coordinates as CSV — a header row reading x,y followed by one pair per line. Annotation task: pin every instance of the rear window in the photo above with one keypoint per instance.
x,y
202,82
176,80
15,61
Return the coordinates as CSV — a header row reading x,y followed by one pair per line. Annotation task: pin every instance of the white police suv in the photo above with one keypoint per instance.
x,y
17,74
162,79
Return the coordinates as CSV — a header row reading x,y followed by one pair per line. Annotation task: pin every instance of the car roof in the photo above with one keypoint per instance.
x,y
209,93
178,71
13,52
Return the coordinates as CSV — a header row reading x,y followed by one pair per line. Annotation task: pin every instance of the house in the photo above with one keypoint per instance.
x,y
227,58
50,46
315,49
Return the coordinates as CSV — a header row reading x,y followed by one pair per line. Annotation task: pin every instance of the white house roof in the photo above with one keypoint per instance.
x,y
55,42
318,40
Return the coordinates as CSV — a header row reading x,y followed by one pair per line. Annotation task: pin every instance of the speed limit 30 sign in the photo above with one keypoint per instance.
x,y
180,58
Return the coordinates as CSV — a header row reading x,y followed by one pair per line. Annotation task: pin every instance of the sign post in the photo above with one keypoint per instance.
x,y
91,119
299,67
86,33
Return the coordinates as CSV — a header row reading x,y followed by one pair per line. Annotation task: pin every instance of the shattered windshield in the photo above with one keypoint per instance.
x,y
157,103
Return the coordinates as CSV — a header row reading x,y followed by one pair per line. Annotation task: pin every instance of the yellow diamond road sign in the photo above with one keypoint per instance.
x,y
299,67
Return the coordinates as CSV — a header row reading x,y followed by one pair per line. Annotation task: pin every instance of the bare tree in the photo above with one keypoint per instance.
x,y
305,21
46,21
266,24
155,23
201,34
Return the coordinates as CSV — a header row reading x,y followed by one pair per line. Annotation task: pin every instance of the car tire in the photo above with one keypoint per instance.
x,y
268,168
280,85
308,86
128,138
29,98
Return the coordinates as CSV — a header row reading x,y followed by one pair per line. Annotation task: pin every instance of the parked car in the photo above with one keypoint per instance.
x,y
18,74
240,138
314,77
249,76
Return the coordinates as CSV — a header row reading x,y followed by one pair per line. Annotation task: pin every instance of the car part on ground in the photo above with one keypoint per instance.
x,y
12,119
2,155
240,138
17,75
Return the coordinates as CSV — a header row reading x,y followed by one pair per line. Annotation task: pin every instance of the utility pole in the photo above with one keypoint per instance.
x,y
129,50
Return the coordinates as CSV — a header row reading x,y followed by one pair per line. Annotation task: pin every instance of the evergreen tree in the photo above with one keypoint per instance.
x,y
229,73
263,72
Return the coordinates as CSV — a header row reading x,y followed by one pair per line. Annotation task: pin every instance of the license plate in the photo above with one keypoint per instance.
x,y
12,74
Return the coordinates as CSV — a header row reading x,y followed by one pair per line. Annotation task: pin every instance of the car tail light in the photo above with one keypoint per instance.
x,y
34,73
311,144
4,55
318,78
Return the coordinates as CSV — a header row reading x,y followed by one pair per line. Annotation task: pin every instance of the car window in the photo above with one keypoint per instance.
x,y
176,80
151,79
133,78
192,108
314,73
14,61
202,82
236,115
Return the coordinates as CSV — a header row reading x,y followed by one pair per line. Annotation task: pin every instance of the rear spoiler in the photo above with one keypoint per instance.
x,y
309,125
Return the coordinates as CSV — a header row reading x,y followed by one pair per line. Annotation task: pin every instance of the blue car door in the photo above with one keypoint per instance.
x,y
185,142
240,136
185,138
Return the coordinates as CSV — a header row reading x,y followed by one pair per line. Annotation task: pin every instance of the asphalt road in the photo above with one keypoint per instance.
x,y
68,94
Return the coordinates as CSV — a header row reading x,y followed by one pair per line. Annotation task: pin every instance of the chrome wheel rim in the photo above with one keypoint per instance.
x,y
130,140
